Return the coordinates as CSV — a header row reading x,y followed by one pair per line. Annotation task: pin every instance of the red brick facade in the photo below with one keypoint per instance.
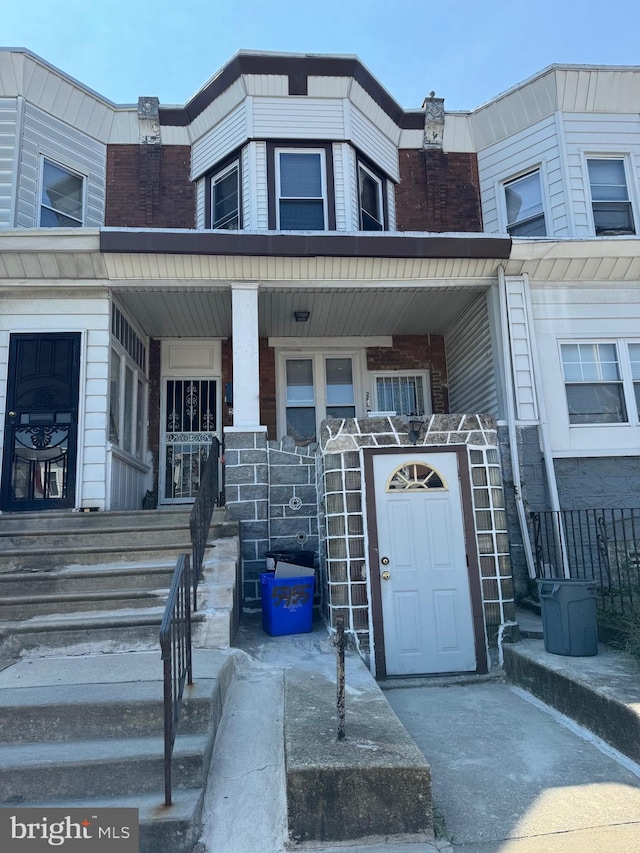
x,y
148,186
438,191
416,352
267,385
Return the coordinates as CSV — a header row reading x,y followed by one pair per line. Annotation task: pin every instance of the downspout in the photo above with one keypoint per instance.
x,y
552,483
511,421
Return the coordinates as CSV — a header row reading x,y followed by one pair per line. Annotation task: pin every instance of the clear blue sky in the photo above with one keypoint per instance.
x,y
468,51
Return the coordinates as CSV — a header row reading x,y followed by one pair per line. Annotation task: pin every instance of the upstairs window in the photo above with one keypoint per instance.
x,y
370,197
610,200
62,196
225,198
301,190
634,358
525,211
593,383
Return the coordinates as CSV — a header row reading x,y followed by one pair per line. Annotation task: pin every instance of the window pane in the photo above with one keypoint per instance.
x,y
300,175
61,190
634,357
127,428
531,228
339,376
140,420
51,219
596,404
114,398
302,215
341,411
371,213
300,382
613,217
401,394
608,180
301,425
225,201
525,213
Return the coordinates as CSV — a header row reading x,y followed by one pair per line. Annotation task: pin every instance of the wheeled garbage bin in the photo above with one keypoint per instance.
x,y
569,623
287,604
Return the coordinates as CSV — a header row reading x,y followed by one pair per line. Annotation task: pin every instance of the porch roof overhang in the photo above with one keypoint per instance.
x,y
579,261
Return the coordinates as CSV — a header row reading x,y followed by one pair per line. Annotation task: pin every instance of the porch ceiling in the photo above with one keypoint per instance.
x,y
333,313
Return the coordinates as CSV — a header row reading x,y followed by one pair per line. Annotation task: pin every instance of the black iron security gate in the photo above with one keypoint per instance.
x,y
41,422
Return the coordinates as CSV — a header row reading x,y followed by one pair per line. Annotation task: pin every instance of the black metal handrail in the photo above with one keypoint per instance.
x,y
207,498
175,643
602,545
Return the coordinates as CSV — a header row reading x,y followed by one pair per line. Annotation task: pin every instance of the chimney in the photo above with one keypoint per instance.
x,y
433,121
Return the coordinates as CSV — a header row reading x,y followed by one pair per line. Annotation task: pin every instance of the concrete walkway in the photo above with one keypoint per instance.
x,y
508,774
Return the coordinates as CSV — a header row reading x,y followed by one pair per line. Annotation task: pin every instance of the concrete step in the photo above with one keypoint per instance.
x,y
29,606
52,520
84,580
601,692
172,830
112,630
107,537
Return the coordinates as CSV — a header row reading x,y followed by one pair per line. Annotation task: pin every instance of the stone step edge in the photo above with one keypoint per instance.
x,y
78,597
85,621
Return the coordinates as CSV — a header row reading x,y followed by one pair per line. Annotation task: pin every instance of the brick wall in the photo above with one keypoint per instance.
x,y
416,352
438,191
148,186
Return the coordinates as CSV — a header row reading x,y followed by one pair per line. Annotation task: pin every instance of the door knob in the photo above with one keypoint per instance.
x,y
12,414
386,576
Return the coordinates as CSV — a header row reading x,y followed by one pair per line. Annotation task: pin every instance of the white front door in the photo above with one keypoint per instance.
x,y
425,594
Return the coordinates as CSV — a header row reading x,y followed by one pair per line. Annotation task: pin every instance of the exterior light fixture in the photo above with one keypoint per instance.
x,y
301,316
415,428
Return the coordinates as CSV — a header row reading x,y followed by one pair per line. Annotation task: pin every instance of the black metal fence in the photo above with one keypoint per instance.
x,y
208,496
175,643
592,544
175,631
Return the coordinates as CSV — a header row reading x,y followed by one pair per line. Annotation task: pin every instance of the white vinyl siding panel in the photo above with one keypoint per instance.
x,y
339,155
391,206
90,316
220,141
533,148
8,153
328,87
599,134
45,135
605,90
383,123
602,312
248,181
262,195
200,202
470,362
521,352
216,113
298,118
266,84
382,152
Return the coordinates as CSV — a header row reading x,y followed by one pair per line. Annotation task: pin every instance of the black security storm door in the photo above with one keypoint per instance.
x,y
41,422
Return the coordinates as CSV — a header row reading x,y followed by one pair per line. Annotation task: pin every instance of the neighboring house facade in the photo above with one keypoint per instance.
x,y
297,265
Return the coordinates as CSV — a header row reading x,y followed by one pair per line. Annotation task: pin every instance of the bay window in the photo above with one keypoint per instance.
x,y
525,211
301,190
610,200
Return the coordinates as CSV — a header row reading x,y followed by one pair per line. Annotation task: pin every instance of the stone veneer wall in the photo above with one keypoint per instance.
x,y
271,490
341,444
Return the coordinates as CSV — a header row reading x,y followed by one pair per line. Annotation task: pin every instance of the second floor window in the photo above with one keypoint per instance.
x,y
61,199
610,200
225,195
371,207
301,190
525,212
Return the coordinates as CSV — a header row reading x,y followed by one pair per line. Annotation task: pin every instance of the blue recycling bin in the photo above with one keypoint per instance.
x,y
287,604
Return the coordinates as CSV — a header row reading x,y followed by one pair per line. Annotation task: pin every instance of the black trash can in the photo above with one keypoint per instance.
x,y
569,617
297,557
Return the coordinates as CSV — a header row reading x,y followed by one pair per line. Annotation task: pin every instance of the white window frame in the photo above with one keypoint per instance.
x,y
56,161
126,360
383,374
216,178
323,181
626,381
628,176
514,179
380,183
318,358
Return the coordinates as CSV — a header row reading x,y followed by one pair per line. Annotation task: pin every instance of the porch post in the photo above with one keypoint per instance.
x,y
246,365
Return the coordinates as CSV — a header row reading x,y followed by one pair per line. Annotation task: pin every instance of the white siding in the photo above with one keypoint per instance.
x,y
266,84
248,180
457,133
374,144
596,133
8,139
470,364
353,221
71,314
521,355
46,135
374,113
128,482
200,202
298,118
262,196
590,312
328,87
339,184
221,140
537,146
391,205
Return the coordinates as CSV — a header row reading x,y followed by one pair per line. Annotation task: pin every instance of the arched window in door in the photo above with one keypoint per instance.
x,y
414,476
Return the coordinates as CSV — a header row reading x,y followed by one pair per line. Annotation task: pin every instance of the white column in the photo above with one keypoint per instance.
x,y
246,362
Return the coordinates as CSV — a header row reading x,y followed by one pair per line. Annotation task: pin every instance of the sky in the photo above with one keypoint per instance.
x,y
466,51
